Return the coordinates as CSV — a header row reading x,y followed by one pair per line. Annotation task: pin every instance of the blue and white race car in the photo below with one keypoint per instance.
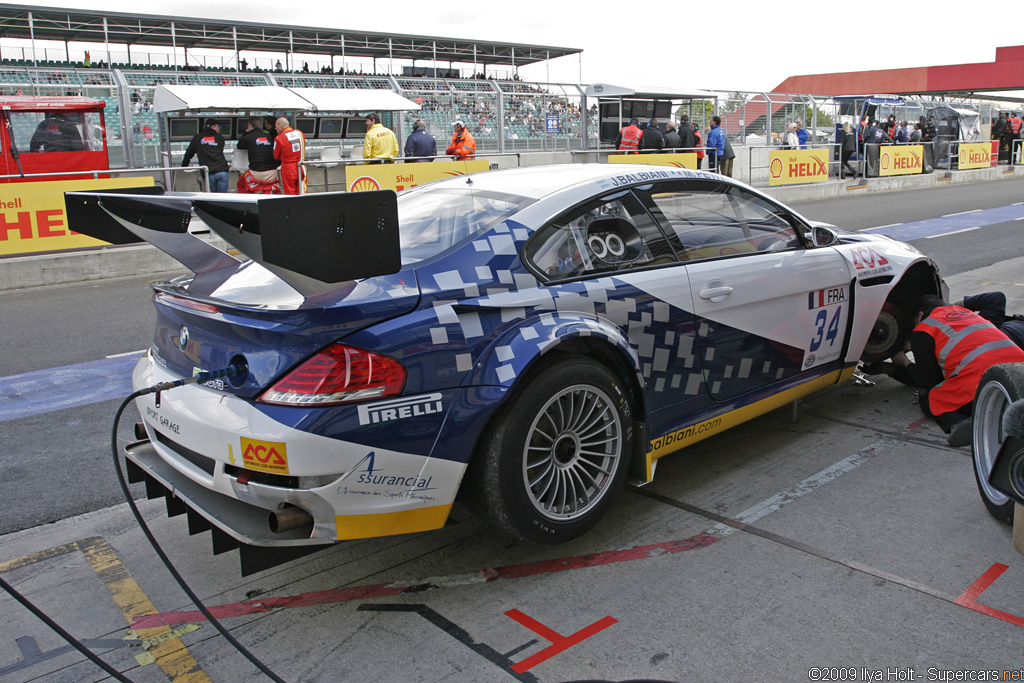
x,y
523,340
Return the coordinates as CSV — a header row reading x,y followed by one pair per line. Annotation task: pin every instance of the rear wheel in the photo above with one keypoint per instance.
x,y
556,456
1000,386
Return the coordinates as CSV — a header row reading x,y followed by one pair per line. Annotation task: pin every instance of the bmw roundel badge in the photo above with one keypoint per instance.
x,y
183,338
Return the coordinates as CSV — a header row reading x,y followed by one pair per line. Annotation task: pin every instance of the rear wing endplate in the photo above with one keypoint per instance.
x,y
312,242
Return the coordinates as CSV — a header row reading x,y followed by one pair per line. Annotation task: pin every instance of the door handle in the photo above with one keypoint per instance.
x,y
716,292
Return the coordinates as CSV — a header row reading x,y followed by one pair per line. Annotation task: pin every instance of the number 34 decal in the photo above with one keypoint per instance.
x,y
826,329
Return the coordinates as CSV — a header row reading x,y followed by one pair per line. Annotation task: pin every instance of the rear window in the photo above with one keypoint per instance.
x,y
434,220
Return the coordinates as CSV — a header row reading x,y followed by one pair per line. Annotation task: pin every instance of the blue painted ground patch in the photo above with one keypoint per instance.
x,y
936,227
70,386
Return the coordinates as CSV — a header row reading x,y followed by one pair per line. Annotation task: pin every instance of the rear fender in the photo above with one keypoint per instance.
x,y
516,350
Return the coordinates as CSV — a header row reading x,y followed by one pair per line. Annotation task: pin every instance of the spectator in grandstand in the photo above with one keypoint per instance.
x,y
716,143
792,141
379,144
726,159
277,66
651,137
463,145
87,62
929,130
290,150
875,134
244,64
672,139
697,143
56,133
208,146
917,133
420,143
801,134
687,138
628,139
902,134
259,144
847,148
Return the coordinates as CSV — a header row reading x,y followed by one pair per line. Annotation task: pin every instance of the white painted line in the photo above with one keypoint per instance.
x,y
1019,219
1016,203
949,215
881,227
770,505
130,353
931,237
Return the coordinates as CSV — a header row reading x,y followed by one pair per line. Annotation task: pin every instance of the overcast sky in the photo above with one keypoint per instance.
x,y
751,46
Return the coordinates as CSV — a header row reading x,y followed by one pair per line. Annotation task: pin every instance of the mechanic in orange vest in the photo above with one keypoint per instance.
x,y
1013,126
628,139
953,347
463,145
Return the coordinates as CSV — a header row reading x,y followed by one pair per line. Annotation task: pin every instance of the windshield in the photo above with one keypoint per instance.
x,y
434,220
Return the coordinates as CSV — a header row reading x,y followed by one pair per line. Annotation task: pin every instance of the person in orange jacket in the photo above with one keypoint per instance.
x,y
463,145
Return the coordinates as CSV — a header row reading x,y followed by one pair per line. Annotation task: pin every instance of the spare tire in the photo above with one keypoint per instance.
x,y
1000,386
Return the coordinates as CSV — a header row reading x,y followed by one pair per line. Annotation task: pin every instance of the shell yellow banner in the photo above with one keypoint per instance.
x,y
792,166
975,155
678,159
900,160
400,177
32,215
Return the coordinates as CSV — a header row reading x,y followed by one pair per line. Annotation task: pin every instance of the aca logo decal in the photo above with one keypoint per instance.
x,y
265,456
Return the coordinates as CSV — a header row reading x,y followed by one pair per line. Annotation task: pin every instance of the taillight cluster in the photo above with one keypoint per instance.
x,y
338,374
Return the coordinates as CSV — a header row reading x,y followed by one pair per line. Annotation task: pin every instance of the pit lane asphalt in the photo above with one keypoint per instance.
x,y
866,529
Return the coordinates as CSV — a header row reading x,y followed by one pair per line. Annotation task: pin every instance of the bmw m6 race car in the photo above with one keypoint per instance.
x,y
524,340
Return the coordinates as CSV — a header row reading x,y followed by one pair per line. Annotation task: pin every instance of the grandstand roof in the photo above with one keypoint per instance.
x,y
146,29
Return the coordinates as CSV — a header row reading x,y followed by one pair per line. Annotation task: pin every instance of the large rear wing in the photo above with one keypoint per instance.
x,y
312,242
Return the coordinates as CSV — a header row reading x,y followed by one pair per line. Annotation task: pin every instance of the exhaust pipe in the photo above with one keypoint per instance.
x,y
289,518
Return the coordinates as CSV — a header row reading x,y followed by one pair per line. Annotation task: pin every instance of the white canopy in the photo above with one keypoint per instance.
x,y
179,98
354,99
647,92
227,98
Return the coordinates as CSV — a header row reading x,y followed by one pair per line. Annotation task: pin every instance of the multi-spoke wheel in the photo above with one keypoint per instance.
x,y
1000,386
556,455
890,331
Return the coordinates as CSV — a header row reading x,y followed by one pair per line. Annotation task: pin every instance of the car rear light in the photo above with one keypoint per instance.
x,y
338,374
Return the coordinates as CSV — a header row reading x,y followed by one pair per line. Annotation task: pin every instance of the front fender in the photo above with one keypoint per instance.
x,y
518,348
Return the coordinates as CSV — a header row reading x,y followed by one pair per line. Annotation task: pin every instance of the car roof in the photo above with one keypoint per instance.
x,y
536,182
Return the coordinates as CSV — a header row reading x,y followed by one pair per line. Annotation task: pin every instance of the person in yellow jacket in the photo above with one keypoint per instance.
x,y
463,145
380,145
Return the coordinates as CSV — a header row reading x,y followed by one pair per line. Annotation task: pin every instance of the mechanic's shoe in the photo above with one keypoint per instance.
x,y
961,434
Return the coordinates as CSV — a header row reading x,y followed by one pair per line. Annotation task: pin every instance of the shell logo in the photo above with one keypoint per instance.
x,y
885,161
363,184
776,168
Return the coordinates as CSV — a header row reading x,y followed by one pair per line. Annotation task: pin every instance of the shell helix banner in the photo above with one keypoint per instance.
x,y
976,154
677,160
32,218
793,166
900,160
400,177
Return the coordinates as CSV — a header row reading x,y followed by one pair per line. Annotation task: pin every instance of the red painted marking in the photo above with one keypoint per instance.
x,y
239,609
559,643
969,597
915,425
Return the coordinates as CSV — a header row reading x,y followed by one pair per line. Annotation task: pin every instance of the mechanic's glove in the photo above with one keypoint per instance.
x,y
878,369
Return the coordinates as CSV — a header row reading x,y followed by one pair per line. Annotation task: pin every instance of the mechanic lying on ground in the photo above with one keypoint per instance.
x,y
952,347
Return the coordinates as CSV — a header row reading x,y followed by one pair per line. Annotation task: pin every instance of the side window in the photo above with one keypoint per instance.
x,y
708,219
608,235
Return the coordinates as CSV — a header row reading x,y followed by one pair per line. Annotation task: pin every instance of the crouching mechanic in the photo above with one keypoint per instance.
x,y
952,347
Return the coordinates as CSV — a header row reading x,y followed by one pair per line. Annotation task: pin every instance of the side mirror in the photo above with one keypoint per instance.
x,y
823,237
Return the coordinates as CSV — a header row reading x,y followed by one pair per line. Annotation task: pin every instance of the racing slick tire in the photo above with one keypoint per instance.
x,y
1000,386
556,455
888,335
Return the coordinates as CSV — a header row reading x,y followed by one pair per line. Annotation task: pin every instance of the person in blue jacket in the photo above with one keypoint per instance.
x,y
420,143
716,143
